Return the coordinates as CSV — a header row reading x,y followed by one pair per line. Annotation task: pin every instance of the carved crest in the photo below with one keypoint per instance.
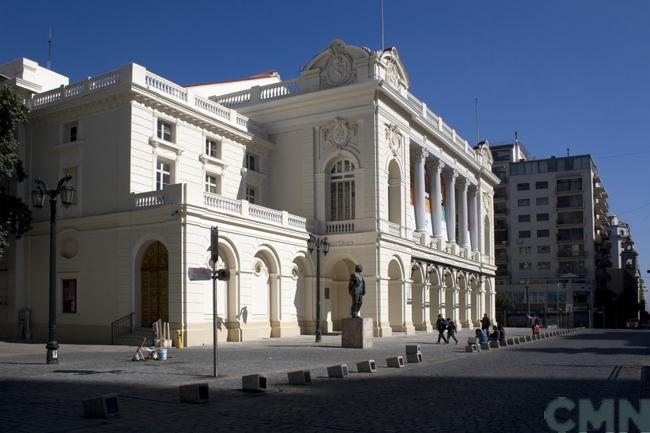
x,y
392,75
393,138
338,70
337,133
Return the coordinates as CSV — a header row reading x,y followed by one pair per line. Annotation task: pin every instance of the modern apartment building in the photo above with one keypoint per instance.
x,y
343,151
550,225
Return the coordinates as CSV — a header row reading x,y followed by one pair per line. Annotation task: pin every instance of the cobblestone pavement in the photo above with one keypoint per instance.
x,y
504,390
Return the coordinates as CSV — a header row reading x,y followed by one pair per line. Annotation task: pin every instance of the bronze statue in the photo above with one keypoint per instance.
x,y
357,289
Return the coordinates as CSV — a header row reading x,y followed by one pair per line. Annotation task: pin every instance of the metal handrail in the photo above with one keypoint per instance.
x,y
122,326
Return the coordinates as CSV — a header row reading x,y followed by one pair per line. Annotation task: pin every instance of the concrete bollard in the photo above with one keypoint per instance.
x,y
254,383
528,338
338,371
104,406
300,377
522,339
503,343
510,341
367,366
494,344
470,348
194,393
414,357
395,362
472,340
413,348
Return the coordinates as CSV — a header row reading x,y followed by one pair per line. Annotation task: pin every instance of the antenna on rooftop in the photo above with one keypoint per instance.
x,y
478,135
382,24
516,137
567,151
49,50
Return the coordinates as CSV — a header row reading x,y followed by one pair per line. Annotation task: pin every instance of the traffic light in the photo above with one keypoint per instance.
x,y
214,244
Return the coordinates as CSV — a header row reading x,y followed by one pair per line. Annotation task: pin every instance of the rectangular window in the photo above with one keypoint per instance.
x,y
572,250
542,217
164,131
213,148
500,208
69,295
523,218
574,267
569,184
543,249
524,266
570,234
251,162
543,266
250,194
523,186
73,133
522,202
211,183
569,201
570,217
543,233
541,201
163,174
541,185
524,234
524,250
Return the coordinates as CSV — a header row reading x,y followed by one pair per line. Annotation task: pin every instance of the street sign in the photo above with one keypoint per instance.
x,y
199,274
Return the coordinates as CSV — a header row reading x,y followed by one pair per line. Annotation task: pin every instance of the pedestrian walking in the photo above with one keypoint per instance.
x,y
451,330
441,325
485,323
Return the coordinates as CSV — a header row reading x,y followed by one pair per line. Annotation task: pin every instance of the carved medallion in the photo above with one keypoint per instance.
x,y
338,69
392,75
337,133
393,138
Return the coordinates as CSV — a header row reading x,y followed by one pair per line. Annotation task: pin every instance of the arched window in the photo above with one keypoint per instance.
x,y
342,192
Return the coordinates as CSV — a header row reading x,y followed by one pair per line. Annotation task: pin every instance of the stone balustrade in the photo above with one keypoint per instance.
x,y
135,75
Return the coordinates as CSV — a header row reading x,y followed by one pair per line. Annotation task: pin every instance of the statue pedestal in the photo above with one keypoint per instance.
x,y
356,333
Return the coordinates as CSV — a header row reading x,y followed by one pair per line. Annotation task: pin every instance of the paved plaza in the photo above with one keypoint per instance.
x,y
504,390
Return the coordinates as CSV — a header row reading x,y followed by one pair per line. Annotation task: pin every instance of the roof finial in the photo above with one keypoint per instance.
x,y
49,50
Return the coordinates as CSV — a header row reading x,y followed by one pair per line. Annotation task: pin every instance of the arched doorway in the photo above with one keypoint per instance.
x,y
418,303
435,296
450,301
336,301
154,286
396,301
464,302
394,193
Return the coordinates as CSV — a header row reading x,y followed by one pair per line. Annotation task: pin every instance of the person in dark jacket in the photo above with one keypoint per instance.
x,y
485,323
441,325
495,335
502,333
451,330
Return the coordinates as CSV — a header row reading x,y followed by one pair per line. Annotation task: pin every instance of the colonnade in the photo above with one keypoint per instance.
x,y
468,209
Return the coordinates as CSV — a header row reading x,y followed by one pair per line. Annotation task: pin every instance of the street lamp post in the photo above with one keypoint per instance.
x,y
318,244
40,192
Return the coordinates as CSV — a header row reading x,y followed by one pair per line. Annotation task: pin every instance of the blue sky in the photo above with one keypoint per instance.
x,y
564,73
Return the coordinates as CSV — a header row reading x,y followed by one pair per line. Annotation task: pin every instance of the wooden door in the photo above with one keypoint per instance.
x,y
155,284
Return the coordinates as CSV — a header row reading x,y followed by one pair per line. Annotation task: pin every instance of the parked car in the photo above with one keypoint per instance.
x,y
632,323
645,325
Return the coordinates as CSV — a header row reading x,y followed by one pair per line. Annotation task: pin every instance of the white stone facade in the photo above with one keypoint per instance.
x,y
337,152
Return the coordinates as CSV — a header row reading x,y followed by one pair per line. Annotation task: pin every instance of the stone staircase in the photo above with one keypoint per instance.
x,y
135,339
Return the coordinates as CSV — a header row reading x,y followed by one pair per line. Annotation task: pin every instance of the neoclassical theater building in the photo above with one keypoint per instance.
x,y
343,151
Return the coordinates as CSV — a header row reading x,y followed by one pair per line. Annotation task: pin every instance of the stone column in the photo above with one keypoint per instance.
x,y
418,188
473,217
462,214
436,167
450,205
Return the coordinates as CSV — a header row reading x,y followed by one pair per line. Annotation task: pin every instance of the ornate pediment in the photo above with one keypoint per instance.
x,y
394,72
338,64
